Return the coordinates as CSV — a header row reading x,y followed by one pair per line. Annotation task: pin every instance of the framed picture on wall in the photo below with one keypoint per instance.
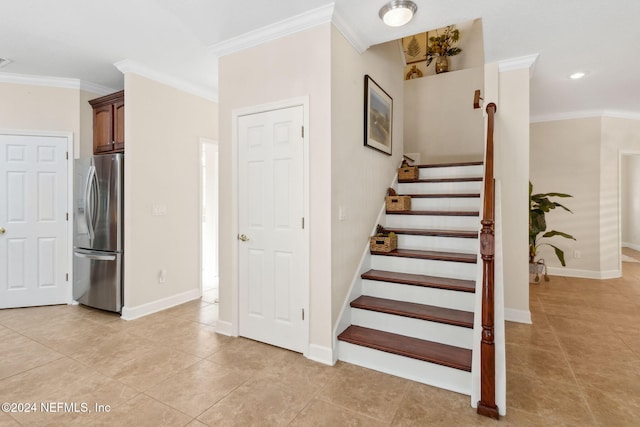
x,y
378,116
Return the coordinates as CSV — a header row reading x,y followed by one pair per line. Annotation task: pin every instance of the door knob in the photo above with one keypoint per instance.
x,y
2,230
243,237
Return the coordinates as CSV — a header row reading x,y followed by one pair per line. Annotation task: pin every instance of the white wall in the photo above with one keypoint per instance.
x,y
360,175
565,158
290,67
32,107
512,170
163,127
440,121
630,200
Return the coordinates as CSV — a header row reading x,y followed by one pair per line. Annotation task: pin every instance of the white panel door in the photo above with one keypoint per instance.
x,y
271,208
33,225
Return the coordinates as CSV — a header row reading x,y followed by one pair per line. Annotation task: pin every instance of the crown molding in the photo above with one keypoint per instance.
x,y
275,31
130,66
519,63
352,36
588,114
59,82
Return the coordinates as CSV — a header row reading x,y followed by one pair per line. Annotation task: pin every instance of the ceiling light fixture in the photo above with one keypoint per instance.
x,y
398,12
4,61
576,76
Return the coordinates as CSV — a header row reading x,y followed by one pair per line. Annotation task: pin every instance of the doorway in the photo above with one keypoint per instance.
x,y
209,220
630,207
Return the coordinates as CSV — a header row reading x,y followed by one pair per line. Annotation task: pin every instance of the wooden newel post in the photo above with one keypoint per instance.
x,y
487,403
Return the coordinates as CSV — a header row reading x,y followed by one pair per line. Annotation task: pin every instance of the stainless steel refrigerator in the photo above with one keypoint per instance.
x,y
98,237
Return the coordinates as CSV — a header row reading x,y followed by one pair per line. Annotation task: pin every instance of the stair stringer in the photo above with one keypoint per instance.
x,y
499,326
355,290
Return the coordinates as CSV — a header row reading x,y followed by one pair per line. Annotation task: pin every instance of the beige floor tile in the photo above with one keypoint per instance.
x,y
614,409
256,403
535,361
248,355
8,421
141,411
369,393
531,335
196,423
197,387
18,353
424,405
187,308
320,413
549,399
606,348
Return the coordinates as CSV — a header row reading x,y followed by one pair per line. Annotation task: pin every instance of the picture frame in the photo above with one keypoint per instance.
x,y
378,117
415,48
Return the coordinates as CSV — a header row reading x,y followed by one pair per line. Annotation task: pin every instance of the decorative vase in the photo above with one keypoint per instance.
x,y
442,64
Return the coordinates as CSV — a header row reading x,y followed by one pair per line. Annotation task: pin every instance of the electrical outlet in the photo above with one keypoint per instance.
x,y
162,276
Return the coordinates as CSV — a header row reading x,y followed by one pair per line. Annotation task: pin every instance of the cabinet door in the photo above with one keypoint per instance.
x,y
118,125
102,129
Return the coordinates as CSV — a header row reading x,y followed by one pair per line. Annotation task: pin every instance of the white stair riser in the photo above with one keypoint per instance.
x,y
419,294
434,222
452,172
416,328
446,204
438,243
406,367
429,267
439,187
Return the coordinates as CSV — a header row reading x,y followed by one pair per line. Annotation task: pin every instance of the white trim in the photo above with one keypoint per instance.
x,y
322,354
61,82
519,63
519,316
572,115
584,274
130,313
130,66
634,246
226,328
70,204
303,21
352,36
302,101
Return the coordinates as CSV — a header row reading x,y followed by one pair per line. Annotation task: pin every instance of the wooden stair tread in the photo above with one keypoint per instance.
x,y
445,165
428,351
441,233
432,180
435,213
434,255
415,311
421,280
442,196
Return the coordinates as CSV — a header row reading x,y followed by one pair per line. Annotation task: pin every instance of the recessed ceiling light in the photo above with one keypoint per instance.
x,y
398,12
4,61
576,76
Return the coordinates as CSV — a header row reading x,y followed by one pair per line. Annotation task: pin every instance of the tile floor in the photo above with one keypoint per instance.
x,y
577,365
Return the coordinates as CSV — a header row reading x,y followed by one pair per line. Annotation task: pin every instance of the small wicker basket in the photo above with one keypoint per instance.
x,y
408,173
398,203
384,243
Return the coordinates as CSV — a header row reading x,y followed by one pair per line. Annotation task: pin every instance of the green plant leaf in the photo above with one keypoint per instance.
x,y
558,233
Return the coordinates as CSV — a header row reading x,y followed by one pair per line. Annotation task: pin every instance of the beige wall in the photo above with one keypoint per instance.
x,y
31,107
440,121
565,158
162,131
360,175
290,67
512,170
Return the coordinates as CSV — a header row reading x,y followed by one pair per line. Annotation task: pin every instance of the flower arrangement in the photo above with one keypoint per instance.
x,y
441,45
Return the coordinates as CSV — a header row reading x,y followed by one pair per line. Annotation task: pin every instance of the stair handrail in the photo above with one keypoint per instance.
x,y
487,403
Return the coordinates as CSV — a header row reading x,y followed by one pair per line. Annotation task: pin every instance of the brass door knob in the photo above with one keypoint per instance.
x,y
2,230
243,237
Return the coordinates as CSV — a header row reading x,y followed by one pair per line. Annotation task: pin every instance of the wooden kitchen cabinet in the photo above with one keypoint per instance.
x,y
108,123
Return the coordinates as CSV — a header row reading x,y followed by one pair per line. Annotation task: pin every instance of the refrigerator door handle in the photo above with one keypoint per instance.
x,y
90,202
95,256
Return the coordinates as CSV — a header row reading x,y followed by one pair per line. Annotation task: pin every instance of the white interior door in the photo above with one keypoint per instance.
x,y
272,286
33,224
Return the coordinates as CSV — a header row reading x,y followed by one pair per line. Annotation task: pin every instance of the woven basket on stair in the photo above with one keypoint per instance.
x,y
408,173
384,243
398,203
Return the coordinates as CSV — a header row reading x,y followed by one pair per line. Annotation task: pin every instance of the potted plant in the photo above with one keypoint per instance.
x,y
441,47
539,206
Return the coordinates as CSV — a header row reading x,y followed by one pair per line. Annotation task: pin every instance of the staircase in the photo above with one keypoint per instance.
x,y
415,317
